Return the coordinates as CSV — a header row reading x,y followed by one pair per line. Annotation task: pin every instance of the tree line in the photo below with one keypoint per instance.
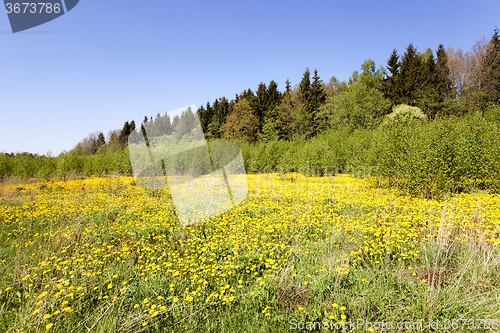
x,y
451,82
453,89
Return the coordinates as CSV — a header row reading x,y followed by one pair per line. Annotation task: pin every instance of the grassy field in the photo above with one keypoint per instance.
x,y
104,255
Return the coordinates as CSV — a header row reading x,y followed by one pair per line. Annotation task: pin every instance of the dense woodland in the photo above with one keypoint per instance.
x,y
427,121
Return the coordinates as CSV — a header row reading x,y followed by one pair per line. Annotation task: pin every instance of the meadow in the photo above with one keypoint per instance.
x,y
105,255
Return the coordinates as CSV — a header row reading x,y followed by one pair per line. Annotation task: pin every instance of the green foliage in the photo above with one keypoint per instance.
x,y
359,107
269,132
242,123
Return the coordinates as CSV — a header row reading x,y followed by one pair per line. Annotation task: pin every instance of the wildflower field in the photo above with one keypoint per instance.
x,y
105,255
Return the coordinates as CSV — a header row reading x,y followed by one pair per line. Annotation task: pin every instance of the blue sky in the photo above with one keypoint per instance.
x,y
109,61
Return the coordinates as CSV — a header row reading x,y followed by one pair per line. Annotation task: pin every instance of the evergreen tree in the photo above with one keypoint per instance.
x,y
284,121
273,97
100,140
490,69
126,130
305,88
410,78
288,85
443,72
260,103
430,95
317,98
390,85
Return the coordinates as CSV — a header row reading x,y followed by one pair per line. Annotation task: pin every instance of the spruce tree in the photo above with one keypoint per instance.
x,y
490,69
317,98
124,134
305,88
390,84
411,77
260,103
443,72
288,85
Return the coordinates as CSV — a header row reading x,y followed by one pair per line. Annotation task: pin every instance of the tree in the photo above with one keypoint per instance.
x,y
443,72
334,87
490,69
260,103
359,107
414,80
465,70
242,123
369,75
91,144
317,98
113,141
410,79
187,122
175,122
305,89
284,121
126,130
390,85
288,86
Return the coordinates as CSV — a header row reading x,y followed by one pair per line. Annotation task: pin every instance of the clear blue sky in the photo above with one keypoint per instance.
x,y
109,61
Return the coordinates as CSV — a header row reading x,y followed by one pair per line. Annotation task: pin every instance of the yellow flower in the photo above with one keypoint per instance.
x,y
136,306
49,326
110,286
47,316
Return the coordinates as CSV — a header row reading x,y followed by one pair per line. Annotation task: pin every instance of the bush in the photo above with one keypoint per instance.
x,y
404,113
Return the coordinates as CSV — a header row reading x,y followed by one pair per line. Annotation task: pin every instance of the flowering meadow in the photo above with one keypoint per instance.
x,y
105,255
